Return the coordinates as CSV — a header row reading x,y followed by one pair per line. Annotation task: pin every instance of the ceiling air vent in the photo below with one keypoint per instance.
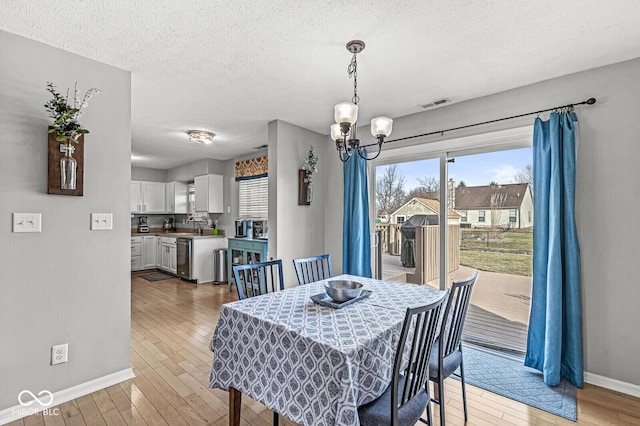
x,y
436,103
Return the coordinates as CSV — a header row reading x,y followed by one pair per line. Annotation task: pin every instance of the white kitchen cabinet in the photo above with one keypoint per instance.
x,y
149,255
136,197
173,259
148,197
136,253
208,193
169,255
158,252
176,197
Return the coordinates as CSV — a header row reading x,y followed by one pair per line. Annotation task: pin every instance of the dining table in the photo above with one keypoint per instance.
x,y
313,364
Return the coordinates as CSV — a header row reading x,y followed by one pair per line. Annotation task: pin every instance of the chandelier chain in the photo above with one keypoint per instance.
x,y
352,70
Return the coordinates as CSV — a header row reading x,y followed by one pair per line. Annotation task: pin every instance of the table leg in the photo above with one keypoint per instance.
x,y
235,399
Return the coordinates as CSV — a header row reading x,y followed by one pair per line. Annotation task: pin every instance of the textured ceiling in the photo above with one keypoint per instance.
x,y
230,67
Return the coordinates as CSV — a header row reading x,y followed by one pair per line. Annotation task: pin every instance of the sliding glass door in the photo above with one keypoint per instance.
x,y
487,200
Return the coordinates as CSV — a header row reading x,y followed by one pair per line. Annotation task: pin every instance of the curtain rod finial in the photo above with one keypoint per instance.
x,y
591,101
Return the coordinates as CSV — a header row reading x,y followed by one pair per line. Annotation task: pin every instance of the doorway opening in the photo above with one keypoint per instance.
x,y
489,229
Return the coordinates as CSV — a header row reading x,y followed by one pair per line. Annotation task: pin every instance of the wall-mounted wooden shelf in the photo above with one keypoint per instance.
x,y
55,155
302,189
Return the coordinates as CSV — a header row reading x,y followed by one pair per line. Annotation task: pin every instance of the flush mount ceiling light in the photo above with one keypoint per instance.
x,y
343,132
201,136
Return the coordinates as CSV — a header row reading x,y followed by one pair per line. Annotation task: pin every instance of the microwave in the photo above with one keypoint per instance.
x,y
260,228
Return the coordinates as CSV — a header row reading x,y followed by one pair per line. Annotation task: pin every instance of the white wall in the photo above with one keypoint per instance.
x,y
148,174
294,231
66,284
607,177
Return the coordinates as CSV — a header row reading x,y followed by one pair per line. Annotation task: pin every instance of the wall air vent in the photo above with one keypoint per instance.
x,y
436,103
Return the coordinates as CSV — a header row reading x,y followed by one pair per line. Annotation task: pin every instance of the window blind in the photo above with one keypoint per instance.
x,y
254,198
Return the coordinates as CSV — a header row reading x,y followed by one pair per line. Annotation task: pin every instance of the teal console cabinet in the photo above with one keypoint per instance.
x,y
242,251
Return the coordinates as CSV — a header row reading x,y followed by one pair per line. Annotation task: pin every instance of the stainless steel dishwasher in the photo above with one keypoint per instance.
x,y
184,254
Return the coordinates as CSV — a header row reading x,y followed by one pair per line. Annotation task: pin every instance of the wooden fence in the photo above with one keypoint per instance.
x,y
426,249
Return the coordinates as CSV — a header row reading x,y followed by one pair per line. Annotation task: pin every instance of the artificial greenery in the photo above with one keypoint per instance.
x,y
310,164
66,123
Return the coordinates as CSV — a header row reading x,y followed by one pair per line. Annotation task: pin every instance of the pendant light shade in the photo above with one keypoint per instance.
x,y
336,134
381,126
346,112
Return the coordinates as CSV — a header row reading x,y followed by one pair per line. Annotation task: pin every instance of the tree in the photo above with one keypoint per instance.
x,y
462,184
493,183
429,184
429,188
390,193
525,176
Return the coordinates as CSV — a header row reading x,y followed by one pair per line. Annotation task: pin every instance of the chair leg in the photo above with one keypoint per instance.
x,y
429,416
276,419
441,399
464,393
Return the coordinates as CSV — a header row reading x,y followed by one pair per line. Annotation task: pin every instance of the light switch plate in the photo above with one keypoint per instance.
x,y
101,221
27,222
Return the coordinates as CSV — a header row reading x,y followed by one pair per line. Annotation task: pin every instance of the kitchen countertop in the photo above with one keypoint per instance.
x,y
187,235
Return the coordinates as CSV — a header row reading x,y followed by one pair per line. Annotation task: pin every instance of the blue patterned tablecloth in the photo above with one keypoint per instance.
x,y
310,363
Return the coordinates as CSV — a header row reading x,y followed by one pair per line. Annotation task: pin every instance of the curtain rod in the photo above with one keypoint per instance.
x,y
589,101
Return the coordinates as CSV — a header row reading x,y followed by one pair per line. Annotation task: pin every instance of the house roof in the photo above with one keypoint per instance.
x,y
430,204
479,197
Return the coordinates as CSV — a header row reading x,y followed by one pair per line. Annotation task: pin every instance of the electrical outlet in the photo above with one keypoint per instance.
x,y
59,354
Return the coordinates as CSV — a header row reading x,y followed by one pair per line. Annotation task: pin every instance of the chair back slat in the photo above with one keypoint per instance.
x,y
455,314
255,279
414,348
313,269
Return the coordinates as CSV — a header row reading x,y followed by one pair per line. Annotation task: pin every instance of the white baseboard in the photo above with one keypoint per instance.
x,y
613,384
18,411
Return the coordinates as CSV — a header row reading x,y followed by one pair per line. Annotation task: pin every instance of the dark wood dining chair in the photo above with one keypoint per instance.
x,y
446,356
254,279
311,269
406,398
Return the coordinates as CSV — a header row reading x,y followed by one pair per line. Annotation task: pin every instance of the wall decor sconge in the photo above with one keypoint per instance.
x,y
305,185
66,141
66,167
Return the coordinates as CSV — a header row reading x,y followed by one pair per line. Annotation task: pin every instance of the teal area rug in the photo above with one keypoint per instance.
x,y
506,375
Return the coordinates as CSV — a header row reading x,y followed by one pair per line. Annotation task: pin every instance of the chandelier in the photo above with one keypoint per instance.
x,y
343,132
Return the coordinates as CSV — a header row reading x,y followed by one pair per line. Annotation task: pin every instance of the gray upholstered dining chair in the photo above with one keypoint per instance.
x,y
406,398
446,356
311,269
254,279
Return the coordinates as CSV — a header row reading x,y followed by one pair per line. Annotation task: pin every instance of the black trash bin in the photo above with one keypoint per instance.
x,y
408,230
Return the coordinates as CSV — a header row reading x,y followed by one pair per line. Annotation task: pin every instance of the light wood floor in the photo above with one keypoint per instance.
x,y
172,324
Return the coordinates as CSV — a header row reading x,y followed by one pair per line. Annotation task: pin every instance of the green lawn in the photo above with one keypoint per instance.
x,y
512,240
515,262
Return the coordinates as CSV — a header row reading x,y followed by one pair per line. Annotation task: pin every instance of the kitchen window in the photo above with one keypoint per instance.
x,y
254,198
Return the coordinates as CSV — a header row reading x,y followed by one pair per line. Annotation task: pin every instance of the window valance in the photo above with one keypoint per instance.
x,y
252,169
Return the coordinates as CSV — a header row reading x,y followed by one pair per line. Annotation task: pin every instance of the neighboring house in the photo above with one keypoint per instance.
x,y
506,206
421,206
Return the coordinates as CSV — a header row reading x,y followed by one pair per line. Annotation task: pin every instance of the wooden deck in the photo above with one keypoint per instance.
x,y
499,311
